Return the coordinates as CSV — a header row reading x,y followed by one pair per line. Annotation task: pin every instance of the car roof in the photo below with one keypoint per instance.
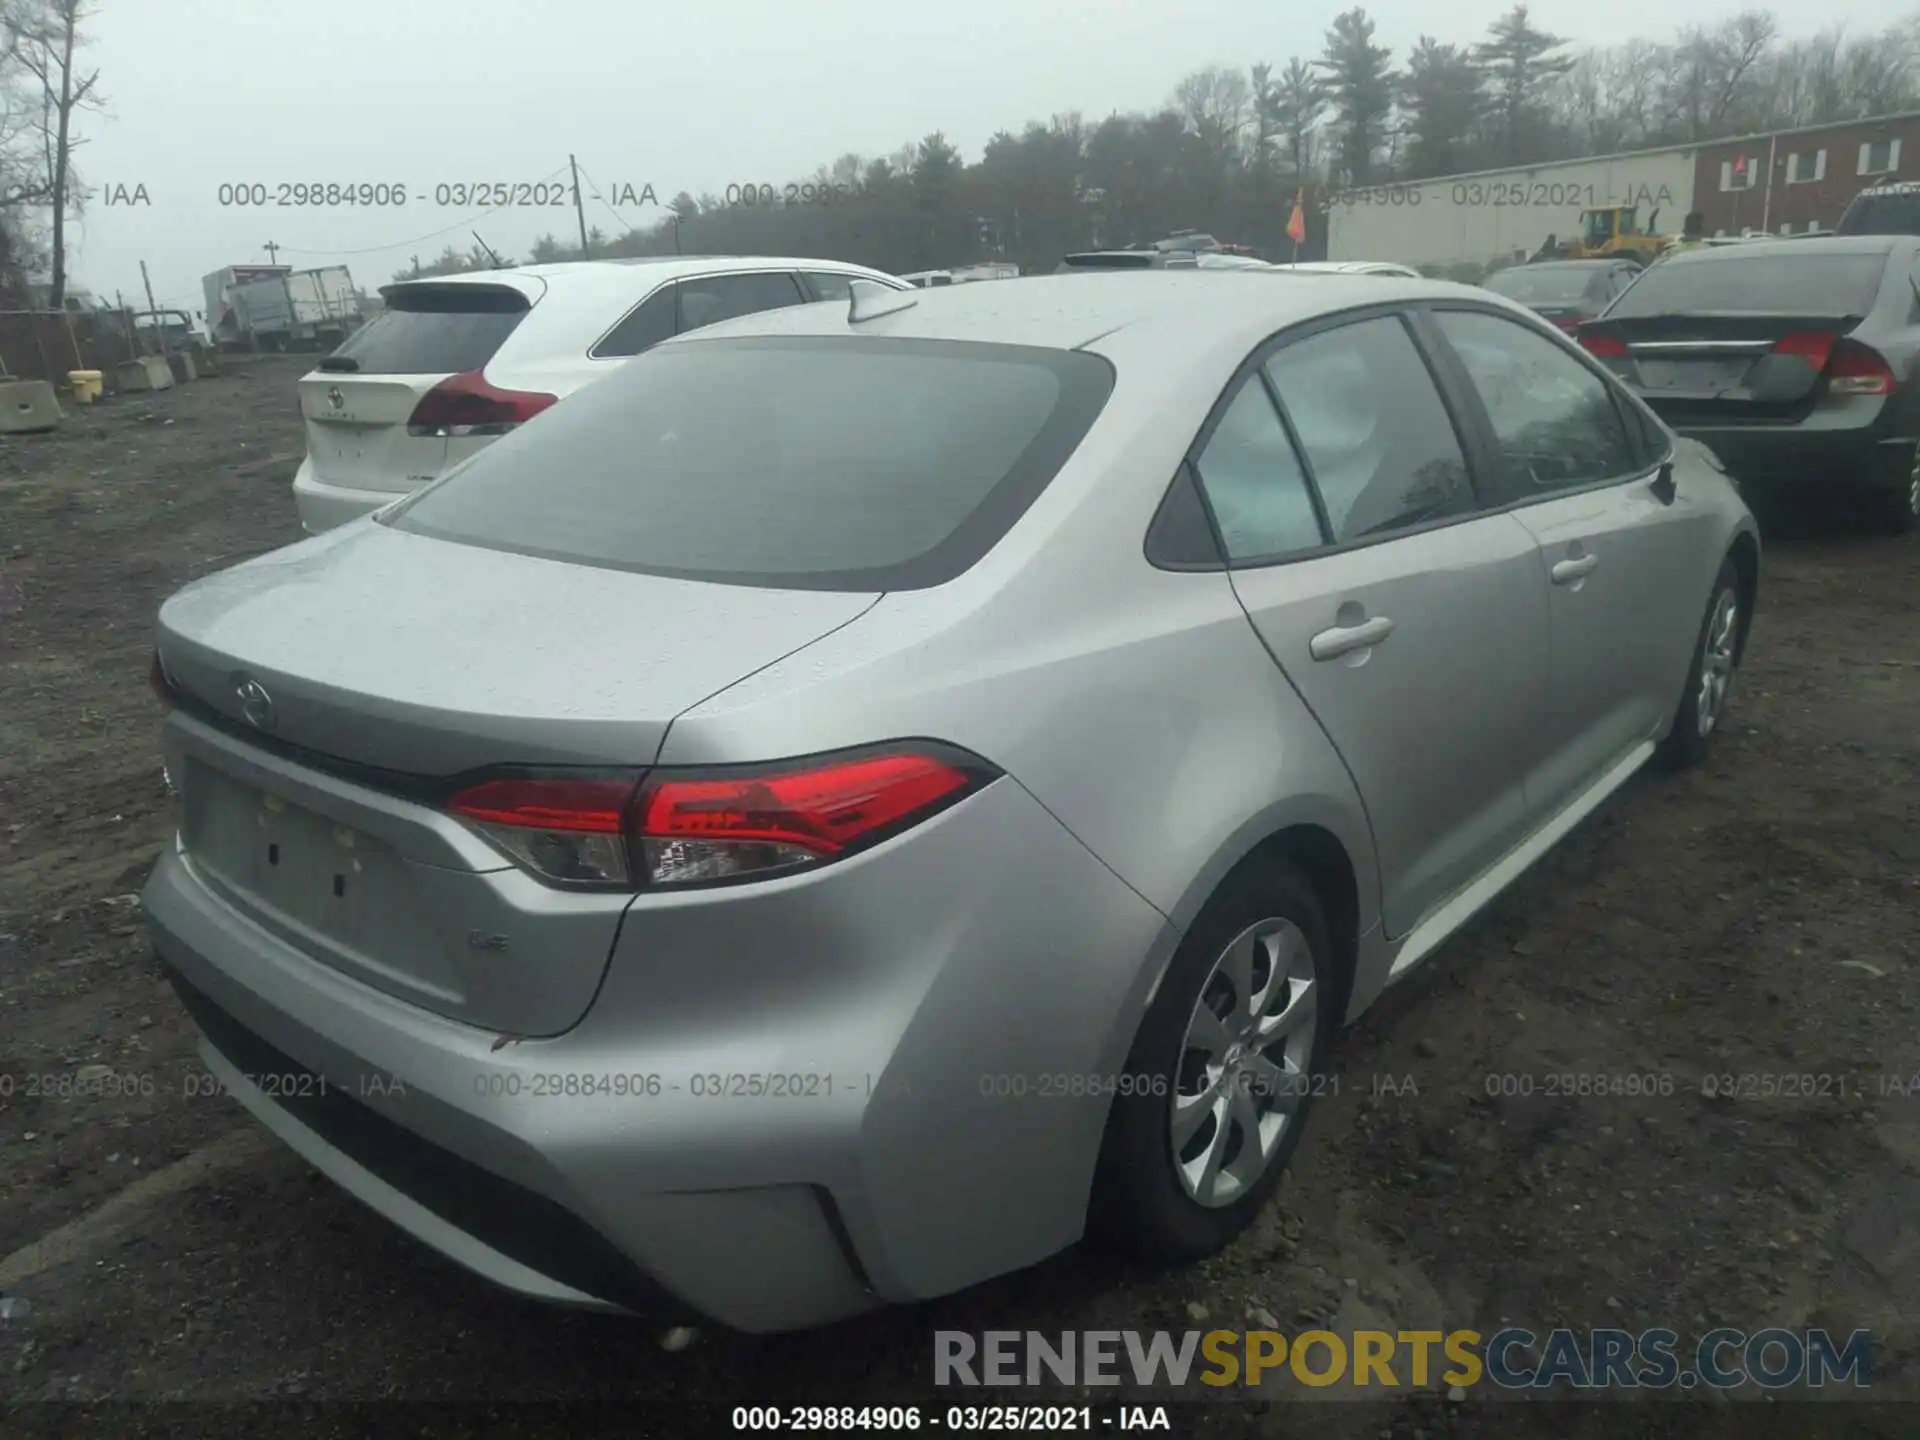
x,y
618,271
1347,267
1189,315
1803,245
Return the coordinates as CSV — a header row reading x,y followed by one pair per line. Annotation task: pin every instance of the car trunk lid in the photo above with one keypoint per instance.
x,y
330,694
1741,366
397,652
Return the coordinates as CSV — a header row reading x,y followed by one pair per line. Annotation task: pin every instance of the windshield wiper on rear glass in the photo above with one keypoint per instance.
x,y
340,363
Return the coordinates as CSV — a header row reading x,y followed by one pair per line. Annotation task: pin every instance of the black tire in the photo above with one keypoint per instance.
x,y
1140,1204
1686,744
1891,512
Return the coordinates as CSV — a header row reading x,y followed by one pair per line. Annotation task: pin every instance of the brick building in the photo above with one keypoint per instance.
x,y
1799,180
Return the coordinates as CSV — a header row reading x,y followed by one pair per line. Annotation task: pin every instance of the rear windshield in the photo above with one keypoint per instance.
x,y
1895,214
1543,284
805,462
1730,284
432,330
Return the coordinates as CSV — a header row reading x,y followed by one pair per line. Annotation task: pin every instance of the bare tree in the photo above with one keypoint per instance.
x,y
1716,69
44,36
1216,103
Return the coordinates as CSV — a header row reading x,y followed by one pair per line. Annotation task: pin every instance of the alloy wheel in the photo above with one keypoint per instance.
x,y
1244,1062
1716,661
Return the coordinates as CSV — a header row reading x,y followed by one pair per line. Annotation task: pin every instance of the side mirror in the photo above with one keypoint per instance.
x,y
1663,487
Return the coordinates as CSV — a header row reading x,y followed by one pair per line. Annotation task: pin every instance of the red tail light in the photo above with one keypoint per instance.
x,y
465,404
566,828
699,827
1603,346
1813,346
1857,370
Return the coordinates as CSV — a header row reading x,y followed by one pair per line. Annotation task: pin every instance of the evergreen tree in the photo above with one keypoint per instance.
x,y
1520,63
1360,84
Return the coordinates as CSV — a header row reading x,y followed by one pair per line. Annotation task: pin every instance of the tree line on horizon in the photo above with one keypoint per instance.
x,y
1231,147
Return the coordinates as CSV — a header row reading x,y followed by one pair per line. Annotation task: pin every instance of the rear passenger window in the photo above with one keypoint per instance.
x,y
1379,441
1254,482
709,299
1554,419
830,287
641,330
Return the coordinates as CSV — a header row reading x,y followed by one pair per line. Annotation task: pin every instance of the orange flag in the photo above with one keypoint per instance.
x,y
1297,222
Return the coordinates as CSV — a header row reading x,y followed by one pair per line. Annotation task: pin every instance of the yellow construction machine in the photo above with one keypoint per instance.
x,y
1615,231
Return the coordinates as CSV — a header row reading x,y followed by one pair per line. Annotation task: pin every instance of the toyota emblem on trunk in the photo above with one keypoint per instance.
x,y
256,704
336,399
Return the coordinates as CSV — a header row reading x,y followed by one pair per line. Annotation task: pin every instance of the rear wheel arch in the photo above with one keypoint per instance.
x,y
1319,855
1745,555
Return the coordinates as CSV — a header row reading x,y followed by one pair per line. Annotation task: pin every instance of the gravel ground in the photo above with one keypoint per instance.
x,y
1755,917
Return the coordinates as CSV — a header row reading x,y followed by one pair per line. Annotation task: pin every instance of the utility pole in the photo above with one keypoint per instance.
x,y
286,289
489,249
579,207
126,324
153,311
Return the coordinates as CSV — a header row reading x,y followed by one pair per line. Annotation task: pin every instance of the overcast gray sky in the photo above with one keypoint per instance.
x,y
694,97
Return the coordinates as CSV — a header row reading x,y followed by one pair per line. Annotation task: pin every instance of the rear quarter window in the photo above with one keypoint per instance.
x,y
434,330
1730,284
804,462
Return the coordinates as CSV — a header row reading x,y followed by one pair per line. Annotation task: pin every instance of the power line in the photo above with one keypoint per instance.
x,y
631,229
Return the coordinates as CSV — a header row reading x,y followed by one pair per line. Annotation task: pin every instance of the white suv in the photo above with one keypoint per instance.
x,y
456,361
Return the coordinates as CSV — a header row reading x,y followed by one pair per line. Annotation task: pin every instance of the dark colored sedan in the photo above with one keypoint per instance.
x,y
1566,292
1794,361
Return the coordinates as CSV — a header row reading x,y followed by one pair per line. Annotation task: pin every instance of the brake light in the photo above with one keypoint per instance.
x,y
1813,346
698,828
1603,346
465,404
1857,370
604,831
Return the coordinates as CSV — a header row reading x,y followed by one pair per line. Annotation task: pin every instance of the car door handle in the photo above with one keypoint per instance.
x,y
1345,639
1565,572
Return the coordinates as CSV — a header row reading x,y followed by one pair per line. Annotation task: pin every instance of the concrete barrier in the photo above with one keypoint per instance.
x,y
182,366
148,372
27,405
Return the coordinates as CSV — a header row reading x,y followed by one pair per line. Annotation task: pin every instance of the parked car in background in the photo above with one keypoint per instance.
x,y
1566,292
456,361
864,794
1889,209
1793,360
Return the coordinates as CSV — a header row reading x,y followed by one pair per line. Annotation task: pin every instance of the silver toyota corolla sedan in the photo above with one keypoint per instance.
x,y
872,792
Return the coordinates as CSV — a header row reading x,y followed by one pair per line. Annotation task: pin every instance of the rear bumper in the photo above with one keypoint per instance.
x,y
898,1171
1778,455
322,506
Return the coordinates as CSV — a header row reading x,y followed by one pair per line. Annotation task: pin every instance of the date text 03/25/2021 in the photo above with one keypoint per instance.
x,y
959,1419
1505,195
444,194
